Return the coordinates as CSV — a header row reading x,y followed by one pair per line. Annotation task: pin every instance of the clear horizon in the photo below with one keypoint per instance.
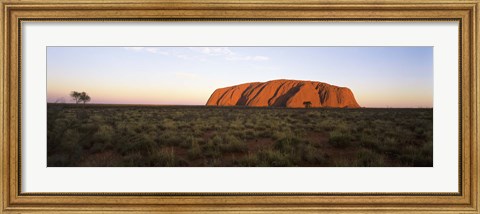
x,y
394,77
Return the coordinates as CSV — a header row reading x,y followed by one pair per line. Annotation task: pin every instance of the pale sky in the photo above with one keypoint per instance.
x,y
378,76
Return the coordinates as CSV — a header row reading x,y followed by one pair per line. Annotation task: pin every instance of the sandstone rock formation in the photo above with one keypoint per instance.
x,y
284,93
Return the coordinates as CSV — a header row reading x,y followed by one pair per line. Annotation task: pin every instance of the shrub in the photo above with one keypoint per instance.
x,y
134,159
249,134
369,141
342,162
164,157
233,144
170,138
211,149
195,150
340,139
70,145
277,135
167,124
273,158
104,134
369,158
217,140
248,160
284,144
311,155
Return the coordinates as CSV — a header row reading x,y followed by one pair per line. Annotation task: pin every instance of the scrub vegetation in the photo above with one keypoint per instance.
x,y
199,136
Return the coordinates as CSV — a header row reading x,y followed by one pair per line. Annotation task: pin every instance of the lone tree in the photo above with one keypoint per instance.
x,y
75,96
84,98
307,104
80,97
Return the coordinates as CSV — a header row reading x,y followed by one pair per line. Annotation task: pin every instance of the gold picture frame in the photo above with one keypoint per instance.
x,y
14,12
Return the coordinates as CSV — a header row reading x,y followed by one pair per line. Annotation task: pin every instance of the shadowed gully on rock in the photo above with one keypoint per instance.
x,y
284,93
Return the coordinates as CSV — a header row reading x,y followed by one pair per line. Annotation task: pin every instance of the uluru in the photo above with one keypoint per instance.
x,y
284,93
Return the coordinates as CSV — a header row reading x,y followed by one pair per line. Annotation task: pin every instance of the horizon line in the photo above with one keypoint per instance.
x,y
147,104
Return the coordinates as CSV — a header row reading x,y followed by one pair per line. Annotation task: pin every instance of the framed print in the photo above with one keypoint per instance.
x,y
227,106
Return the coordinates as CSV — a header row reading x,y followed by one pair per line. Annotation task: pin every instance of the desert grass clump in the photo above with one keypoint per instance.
x,y
312,155
103,159
249,134
195,149
232,144
217,139
277,135
169,138
168,124
273,158
165,157
325,125
286,144
211,149
71,145
369,158
134,159
248,160
344,162
339,139
128,143
104,134
369,141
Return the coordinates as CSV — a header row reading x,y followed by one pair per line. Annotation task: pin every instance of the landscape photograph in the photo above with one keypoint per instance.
x,y
241,106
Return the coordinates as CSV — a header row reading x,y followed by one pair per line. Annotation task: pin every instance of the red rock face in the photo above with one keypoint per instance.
x,y
284,93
